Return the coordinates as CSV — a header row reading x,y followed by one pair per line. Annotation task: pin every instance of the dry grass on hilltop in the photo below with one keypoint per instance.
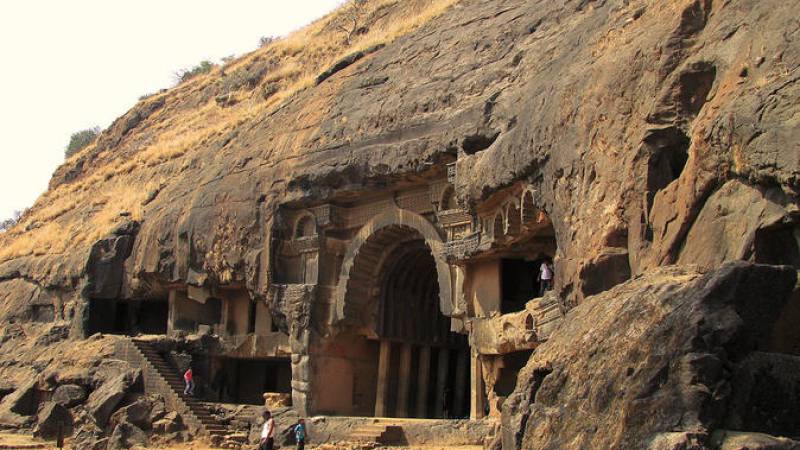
x,y
75,214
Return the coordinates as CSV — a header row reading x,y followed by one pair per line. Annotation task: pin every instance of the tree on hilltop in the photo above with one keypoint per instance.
x,y
80,139
350,20
9,223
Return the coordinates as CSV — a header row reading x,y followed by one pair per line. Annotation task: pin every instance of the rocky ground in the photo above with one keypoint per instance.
x,y
10,440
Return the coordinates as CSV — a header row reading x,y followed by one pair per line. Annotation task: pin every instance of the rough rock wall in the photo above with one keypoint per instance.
x,y
667,357
634,114
634,119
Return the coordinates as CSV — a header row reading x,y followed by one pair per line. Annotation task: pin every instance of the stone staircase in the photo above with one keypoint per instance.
x,y
160,377
377,433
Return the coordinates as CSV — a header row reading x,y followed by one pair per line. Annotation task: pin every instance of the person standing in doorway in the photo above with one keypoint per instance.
x,y
545,278
300,434
267,433
188,377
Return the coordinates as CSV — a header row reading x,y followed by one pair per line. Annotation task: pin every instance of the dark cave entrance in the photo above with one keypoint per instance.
x,y
397,357
129,318
519,283
512,363
777,245
245,381
188,315
426,370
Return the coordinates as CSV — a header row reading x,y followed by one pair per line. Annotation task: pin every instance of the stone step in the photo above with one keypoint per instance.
x,y
160,363
370,432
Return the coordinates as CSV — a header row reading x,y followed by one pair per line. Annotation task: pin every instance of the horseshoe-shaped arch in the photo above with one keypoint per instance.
x,y
399,220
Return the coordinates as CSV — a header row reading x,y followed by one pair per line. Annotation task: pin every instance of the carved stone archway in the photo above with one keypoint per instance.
x,y
358,266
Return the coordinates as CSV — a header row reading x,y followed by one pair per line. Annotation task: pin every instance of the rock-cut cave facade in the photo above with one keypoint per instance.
x,y
397,303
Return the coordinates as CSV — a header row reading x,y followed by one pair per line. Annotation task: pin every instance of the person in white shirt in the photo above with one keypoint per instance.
x,y
267,433
545,278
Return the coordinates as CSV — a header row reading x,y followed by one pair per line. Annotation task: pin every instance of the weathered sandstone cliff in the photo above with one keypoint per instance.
x,y
635,119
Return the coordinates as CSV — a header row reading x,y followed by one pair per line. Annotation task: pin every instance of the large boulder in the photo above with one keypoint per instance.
x,y
169,423
137,413
159,409
649,363
52,421
126,435
89,437
18,408
69,395
103,401
107,369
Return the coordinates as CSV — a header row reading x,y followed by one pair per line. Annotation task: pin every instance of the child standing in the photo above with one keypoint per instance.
x,y
300,434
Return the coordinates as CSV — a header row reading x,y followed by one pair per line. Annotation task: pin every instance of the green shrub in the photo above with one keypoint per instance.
x,y
80,139
187,74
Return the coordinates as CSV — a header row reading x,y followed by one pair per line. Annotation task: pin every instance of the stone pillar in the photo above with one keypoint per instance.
x,y
441,380
404,381
225,317
461,381
477,399
384,360
423,376
302,372
171,311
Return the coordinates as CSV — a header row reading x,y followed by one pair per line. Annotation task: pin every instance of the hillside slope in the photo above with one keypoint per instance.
x,y
633,112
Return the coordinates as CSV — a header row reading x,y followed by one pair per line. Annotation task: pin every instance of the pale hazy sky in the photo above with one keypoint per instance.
x,y
70,65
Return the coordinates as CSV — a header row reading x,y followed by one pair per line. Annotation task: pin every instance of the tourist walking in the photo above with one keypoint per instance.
x,y
267,433
188,377
300,434
545,278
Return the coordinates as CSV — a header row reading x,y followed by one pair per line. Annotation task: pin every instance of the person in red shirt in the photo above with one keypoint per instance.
x,y
189,379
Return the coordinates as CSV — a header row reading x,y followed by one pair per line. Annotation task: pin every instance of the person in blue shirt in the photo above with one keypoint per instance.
x,y
300,434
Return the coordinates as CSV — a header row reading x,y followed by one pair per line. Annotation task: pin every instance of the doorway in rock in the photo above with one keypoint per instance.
x,y
153,316
519,283
423,368
511,364
129,317
395,355
245,381
531,241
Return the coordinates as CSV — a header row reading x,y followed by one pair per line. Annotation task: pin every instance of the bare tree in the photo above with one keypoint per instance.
x,y
350,20
266,40
9,223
